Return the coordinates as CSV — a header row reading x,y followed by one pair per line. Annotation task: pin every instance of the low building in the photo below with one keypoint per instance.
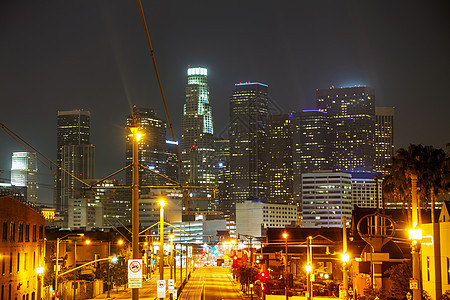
x,y
253,217
21,250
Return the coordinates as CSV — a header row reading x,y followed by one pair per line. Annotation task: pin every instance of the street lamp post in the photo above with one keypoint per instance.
x,y
344,257
161,240
136,136
308,268
58,240
286,281
415,234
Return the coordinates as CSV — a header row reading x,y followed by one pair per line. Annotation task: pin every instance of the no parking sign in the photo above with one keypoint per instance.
x,y
135,273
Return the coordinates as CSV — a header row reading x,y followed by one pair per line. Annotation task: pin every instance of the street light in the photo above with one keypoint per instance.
x,y
57,257
136,137
308,268
285,235
162,203
39,272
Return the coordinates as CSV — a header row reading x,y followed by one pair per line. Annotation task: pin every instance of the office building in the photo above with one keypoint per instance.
x,y
24,174
197,141
364,190
149,207
253,217
222,173
75,155
326,198
280,159
248,134
384,137
352,111
172,164
152,149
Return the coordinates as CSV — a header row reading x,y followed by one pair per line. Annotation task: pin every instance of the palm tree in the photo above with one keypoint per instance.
x,y
428,164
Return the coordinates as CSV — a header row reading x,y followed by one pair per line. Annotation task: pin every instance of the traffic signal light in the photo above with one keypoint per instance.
x,y
263,288
263,276
54,294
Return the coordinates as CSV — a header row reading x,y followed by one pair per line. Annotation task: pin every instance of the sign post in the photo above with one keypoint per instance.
x,y
161,288
135,273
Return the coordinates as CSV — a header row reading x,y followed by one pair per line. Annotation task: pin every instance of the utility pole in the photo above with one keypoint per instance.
x,y
135,196
415,246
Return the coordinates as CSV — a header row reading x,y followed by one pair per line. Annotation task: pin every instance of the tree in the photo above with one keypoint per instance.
x,y
399,275
428,163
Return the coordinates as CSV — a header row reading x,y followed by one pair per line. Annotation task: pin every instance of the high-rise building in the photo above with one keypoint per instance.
x,y
280,160
151,148
352,111
326,198
221,169
248,134
312,145
172,165
384,137
24,174
197,140
74,153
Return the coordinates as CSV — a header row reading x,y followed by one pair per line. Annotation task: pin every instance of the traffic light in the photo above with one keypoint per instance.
x,y
263,276
235,261
54,294
263,288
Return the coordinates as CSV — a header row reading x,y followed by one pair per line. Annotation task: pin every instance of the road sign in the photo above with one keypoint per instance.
x,y
134,283
226,266
171,282
161,288
413,283
135,268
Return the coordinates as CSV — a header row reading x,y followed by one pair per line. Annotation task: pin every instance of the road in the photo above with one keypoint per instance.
x,y
216,283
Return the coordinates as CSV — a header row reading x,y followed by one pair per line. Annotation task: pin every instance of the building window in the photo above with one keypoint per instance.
x,y
25,260
20,238
2,257
34,260
34,233
18,261
12,232
27,233
10,262
41,232
448,270
5,231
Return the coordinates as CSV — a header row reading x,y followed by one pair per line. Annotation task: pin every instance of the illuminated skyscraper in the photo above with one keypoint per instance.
x,y
312,145
152,148
248,134
384,137
24,174
197,141
75,154
352,111
280,161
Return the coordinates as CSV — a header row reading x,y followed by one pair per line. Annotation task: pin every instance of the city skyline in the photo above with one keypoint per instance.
x,y
99,62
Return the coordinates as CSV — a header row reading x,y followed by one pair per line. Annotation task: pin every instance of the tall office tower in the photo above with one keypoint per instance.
x,y
280,160
172,165
73,130
311,143
364,190
151,148
24,174
353,115
326,198
384,137
78,160
248,133
222,173
197,141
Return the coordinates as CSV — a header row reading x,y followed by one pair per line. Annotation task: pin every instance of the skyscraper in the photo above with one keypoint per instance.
x,y
248,134
151,148
24,174
197,140
384,137
311,143
75,155
280,160
353,115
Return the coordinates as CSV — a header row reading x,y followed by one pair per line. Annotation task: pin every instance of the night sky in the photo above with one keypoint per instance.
x,y
93,55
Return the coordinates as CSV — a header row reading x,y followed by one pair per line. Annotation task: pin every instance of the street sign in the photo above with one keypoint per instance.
x,y
135,273
413,283
161,288
226,266
135,268
190,251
